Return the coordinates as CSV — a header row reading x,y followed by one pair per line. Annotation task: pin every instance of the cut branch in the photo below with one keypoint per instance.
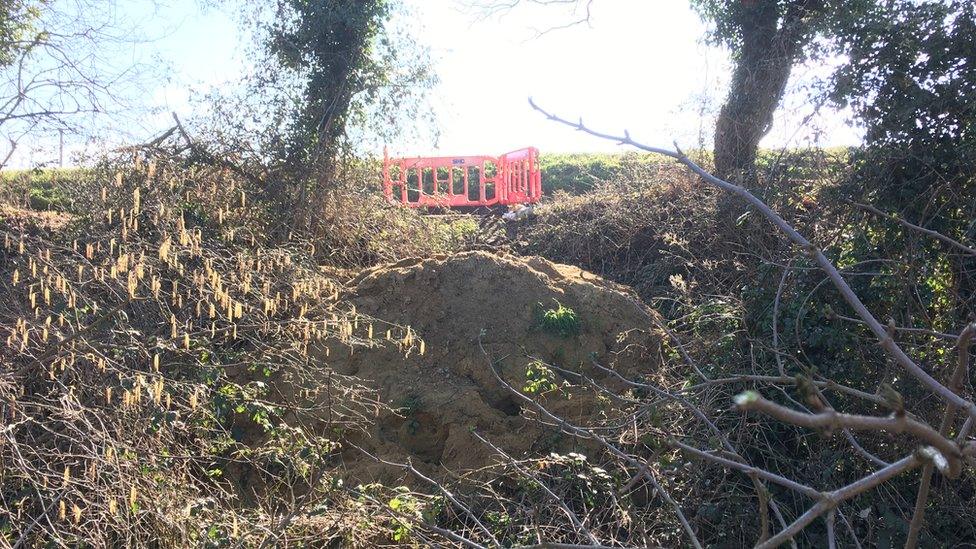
x,y
831,419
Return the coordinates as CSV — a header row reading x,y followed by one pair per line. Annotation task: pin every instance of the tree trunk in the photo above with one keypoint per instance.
x,y
771,44
747,115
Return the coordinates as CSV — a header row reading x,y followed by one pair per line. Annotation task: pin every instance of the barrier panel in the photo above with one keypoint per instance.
x,y
459,181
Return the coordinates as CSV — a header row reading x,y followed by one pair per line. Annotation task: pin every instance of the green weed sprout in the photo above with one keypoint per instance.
x,y
539,378
561,321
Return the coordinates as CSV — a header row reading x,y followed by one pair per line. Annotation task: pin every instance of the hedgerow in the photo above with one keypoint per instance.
x,y
158,384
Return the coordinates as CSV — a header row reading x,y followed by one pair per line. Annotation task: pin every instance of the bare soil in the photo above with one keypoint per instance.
x,y
450,390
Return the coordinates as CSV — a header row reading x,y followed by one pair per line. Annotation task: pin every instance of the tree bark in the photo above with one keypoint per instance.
x,y
771,43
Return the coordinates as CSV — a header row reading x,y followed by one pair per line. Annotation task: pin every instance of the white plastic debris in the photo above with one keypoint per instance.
x,y
520,213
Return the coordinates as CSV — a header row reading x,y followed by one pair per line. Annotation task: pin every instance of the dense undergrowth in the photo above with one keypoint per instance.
x,y
744,300
157,387
161,386
166,378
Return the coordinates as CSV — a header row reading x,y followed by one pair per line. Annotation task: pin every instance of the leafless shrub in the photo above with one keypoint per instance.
x,y
158,386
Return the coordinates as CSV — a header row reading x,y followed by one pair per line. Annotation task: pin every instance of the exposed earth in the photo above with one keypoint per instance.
x,y
450,390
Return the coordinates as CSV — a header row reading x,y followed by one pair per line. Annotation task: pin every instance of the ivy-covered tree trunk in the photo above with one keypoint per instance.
x,y
327,45
758,84
769,37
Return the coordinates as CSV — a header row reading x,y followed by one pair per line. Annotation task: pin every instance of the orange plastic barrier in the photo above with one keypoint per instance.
x,y
458,181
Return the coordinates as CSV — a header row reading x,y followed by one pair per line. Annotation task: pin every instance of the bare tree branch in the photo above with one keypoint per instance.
x,y
887,343
959,375
934,234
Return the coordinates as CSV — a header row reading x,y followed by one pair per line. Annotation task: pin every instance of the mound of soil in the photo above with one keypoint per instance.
x,y
450,390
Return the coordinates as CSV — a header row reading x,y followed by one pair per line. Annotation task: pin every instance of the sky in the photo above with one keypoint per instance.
x,y
639,65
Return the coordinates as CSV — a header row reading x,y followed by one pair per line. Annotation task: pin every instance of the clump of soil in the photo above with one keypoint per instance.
x,y
450,390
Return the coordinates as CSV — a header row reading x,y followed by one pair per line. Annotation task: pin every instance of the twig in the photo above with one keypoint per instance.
x,y
905,329
275,533
45,509
955,383
834,498
786,380
440,487
934,234
831,535
750,470
209,157
577,523
831,419
775,323
584,433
